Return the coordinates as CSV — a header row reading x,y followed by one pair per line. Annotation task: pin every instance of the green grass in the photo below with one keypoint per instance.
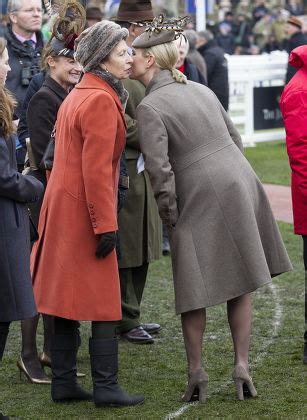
x,y
159,370
270,161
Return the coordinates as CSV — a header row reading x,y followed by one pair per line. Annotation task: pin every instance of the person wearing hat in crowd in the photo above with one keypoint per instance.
x,y
62,74
74,263
224,240
93,15
139,222
295,39
217,68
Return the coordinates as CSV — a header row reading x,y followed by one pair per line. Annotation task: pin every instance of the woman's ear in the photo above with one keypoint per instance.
x,y
150,61
50,61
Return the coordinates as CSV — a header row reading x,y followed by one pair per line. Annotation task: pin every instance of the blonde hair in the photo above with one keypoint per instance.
x,y
7,104
166,56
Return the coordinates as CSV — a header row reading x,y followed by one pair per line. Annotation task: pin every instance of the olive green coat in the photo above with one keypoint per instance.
x,y
140,230
223,236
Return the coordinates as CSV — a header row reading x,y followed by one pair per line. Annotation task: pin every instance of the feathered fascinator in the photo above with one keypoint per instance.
x,y
160,31
67,21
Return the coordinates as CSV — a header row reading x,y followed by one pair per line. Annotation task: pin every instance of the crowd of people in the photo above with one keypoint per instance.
x,y
95,157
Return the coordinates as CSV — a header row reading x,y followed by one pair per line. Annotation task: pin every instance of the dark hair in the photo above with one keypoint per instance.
x,y
7,104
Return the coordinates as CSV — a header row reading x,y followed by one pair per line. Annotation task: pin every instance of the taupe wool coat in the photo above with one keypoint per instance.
x,y
224,239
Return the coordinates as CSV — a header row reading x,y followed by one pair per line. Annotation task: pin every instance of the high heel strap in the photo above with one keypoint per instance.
x,y
197,387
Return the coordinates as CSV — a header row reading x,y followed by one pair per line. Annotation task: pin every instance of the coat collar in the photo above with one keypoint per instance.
x,y
91,81
163,78
55,87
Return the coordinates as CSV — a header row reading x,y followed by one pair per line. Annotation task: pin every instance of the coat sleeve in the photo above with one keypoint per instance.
x,y
34,86
154,145
132,138
41,116
99,131
13,185
234,133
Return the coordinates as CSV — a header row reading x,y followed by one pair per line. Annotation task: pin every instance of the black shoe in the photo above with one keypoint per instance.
x,y
104,366
64,385
151,328
138,335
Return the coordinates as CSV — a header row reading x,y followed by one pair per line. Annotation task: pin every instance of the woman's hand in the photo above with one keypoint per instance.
x,y
107,243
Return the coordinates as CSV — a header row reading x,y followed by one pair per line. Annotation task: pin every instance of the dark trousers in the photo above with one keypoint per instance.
x,y
4,330
100,329
132,284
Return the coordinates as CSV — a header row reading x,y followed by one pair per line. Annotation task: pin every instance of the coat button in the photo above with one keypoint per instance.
x,y
94,225
92,212
93,219
91,206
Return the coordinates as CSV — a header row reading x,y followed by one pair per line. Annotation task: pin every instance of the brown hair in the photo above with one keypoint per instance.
x,y
47,52
7,104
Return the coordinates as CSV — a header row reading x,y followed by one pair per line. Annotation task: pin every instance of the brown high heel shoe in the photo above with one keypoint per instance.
x,y
22,369
243,382
45,361
197,387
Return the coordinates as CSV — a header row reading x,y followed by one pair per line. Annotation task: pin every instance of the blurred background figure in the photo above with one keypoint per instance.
x,y
295,7
184,64
262,30
194,55
225,38
216,66
93,15
24,44
295,38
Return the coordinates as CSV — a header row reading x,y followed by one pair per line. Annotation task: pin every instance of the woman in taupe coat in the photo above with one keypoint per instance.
x,y
224,240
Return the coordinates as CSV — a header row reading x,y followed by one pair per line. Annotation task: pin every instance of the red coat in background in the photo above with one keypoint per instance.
x,y
293,105
81,202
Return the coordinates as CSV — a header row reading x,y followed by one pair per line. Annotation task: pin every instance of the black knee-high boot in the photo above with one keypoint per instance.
x,y
104,366
4,330
64,385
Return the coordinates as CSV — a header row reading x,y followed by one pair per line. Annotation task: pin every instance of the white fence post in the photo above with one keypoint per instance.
x,y
245,73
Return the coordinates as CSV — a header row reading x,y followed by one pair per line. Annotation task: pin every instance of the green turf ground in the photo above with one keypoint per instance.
x,y
158,370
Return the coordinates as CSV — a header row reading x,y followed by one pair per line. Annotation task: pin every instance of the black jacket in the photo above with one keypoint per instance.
x,y
35,85
16,294
294,41
217,71
24,62
192,73
42,114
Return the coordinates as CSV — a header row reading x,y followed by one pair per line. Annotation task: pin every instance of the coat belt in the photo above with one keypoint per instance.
x,y
201,152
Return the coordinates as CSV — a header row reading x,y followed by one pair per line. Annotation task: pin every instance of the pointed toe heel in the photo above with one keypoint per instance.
x,y
197,388
244,384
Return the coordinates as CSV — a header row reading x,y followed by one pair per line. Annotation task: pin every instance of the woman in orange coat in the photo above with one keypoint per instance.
x,y
74,264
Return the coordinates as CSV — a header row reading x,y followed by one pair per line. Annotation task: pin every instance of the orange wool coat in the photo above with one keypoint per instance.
x,y
80,203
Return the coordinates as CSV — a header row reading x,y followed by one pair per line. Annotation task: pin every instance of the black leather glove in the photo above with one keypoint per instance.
x,y
107,243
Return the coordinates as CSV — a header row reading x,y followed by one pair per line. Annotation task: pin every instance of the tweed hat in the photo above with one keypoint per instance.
x,y
293,20
134,11
96,42
159,32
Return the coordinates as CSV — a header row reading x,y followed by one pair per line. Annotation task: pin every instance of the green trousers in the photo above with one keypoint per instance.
x,y
132,283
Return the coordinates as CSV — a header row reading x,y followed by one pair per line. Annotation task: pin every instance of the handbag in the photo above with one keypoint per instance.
x,y
48,157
